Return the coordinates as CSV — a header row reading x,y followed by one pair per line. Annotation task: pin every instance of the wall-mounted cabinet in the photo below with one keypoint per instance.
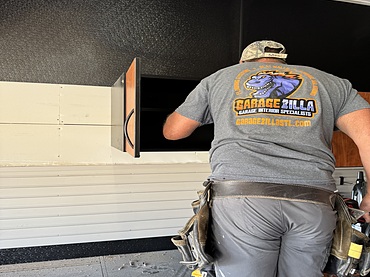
x,y
140,105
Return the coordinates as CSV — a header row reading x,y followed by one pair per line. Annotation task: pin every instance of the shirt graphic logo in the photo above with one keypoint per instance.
x,y
273,84
269,93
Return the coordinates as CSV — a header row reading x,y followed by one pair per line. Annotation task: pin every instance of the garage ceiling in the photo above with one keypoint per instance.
x,y
92,41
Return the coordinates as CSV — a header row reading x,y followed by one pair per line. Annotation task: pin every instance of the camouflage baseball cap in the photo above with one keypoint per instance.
x,y
256,50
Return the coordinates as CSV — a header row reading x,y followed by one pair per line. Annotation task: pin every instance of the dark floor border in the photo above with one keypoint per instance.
x,y
83,250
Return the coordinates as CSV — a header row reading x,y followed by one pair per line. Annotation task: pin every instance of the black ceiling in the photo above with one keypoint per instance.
x,y
91,42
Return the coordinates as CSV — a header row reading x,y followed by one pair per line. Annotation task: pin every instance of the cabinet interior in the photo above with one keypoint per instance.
x,y
159,98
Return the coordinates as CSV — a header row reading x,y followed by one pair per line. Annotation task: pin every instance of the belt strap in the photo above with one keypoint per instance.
x,y
303,193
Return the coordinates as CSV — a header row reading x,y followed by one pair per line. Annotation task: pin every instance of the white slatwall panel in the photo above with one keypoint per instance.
x,y
72,204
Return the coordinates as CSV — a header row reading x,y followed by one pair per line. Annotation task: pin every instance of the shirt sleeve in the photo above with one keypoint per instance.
x,y
196,105
353,102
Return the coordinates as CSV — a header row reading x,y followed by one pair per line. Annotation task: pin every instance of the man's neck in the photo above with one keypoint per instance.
x,y
268,60
265,60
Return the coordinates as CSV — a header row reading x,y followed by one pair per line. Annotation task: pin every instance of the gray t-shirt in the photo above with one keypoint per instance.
x,y
273,122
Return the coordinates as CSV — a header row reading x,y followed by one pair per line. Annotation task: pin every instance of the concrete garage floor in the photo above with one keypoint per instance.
x,y
156,264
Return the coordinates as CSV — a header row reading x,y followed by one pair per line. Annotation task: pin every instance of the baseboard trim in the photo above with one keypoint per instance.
x,y
83,250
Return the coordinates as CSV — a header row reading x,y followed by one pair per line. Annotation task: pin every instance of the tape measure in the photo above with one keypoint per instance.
x,y
197,273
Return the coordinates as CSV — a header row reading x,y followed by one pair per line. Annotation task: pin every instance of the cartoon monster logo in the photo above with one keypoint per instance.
x,y
273,84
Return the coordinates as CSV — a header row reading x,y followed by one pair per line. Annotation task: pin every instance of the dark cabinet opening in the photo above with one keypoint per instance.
x,y
159,97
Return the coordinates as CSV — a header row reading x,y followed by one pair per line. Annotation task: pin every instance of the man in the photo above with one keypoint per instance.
x,y
271,160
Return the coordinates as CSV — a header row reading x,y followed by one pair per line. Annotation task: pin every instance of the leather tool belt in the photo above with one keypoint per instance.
x,y
303,193
350,248
192,239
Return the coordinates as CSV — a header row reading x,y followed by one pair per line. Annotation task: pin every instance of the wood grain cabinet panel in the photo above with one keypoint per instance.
x,y
344,149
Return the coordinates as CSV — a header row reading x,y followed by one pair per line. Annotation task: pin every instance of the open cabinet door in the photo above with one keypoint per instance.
x,y
117,118
125,111
132,111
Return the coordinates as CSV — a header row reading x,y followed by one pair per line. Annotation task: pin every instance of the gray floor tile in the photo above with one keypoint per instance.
x,y
156,264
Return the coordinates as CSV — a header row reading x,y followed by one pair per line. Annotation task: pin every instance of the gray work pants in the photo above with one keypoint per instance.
x,y
268,238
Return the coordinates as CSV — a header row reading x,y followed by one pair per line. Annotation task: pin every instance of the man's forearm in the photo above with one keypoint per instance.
x,y
178,126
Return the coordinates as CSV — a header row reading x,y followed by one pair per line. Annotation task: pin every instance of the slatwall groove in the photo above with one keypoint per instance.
x,y
81,238
77,238
80,170
92,190
73,204
19,213
74,181
70,229
81,219
168,172
103,199
173,213
91,229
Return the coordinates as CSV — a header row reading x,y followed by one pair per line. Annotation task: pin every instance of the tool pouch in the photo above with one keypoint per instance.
x,y
364,265
348,243
192,239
